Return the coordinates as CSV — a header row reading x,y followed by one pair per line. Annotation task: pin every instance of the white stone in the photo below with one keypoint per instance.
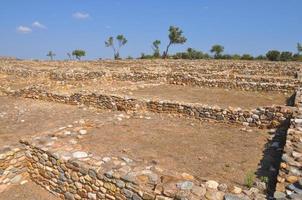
x,y
79,154
83,132
212,185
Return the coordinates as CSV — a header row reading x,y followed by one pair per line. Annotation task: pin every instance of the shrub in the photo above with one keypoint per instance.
x,y
286,56
273,55
249,179
247,57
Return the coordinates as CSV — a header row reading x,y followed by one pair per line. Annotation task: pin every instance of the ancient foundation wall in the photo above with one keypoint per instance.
x,y
290,174
12,164
259,117
183,78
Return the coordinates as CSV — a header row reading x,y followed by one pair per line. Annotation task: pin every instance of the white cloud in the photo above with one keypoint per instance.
x,y
24,29
37,24
80,15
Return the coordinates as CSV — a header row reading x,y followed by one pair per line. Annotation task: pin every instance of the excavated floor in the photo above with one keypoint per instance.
x,y
207,150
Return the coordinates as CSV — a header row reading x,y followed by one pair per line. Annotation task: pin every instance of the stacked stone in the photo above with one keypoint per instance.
x,y
12,165
290,174
80,175
183,76
256,85
261,117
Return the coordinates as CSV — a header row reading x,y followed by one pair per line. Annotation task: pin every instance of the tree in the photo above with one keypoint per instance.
x,y
50,54
78,53
116,50
175,37
69,56
286,56
247,57
217,49
299,48
155,47
273,55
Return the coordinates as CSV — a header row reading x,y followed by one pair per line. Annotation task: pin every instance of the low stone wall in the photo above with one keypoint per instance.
x,y
220,80
260,117
12,165
67,171
290,174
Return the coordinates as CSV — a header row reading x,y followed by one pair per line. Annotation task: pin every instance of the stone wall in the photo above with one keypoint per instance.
x,y
260,117
12,165
67,171
290,174
179,77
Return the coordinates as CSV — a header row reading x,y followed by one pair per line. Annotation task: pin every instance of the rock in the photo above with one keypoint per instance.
x,y
236,190
198,191
83,132
279,195
186,185
16,179
69,196
91,196
295,196
294,187
223,187
212,185
292,179
231,197
80,154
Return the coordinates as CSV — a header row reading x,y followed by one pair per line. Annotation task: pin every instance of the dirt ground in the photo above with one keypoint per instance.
x,y
204,149
210,96
20,118
28,191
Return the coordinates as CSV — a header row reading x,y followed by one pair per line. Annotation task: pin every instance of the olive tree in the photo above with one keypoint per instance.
x,y
175,37
155,47
273,55
51,55
78,53
116,50
217,49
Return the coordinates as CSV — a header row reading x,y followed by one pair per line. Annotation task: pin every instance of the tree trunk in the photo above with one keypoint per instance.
x,y
165,54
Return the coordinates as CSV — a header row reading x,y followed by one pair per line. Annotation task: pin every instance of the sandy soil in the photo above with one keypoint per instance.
x,y
20,118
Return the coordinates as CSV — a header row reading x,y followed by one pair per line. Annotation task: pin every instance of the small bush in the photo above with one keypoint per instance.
x,y
249,179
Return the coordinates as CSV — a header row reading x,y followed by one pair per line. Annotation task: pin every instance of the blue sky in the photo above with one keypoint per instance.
x,y
29,29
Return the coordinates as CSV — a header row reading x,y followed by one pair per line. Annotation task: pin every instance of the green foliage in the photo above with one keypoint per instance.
x,y
191,54
116,50
297,57
50,54
299,48
249,179
247,57
273,55
78,53
236,57
217,49
264,179
144,56
286,56
155,47
175,37
261,57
